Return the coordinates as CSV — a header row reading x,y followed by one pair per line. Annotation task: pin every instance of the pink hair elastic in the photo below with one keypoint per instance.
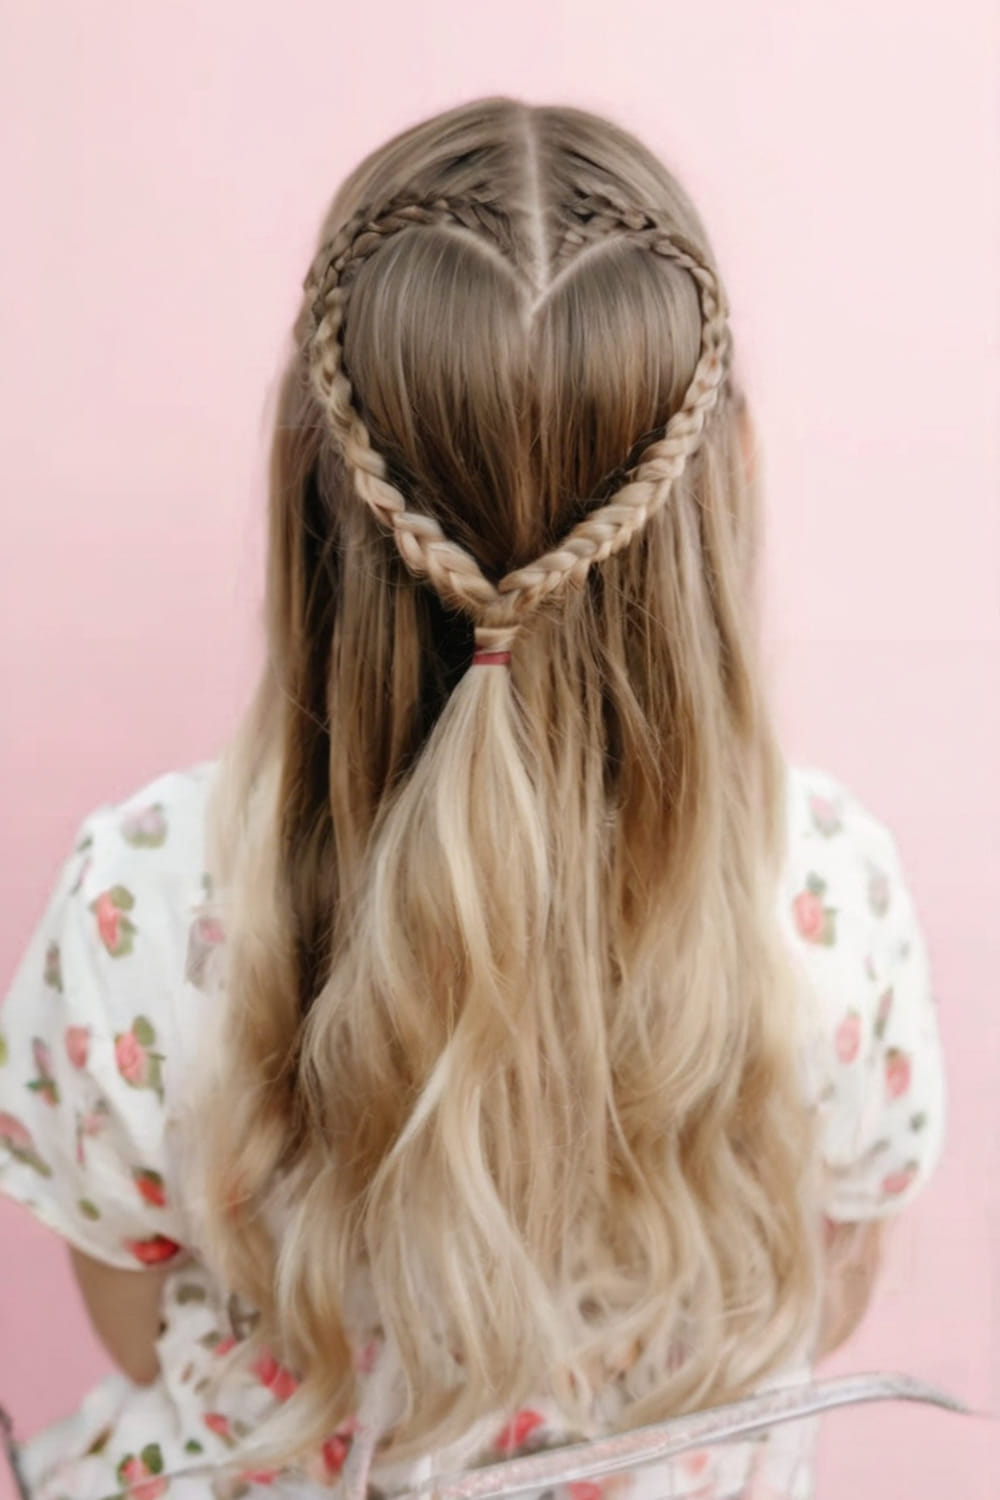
x,y
491,658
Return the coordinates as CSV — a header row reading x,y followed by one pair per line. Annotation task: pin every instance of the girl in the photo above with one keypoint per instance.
x,y
502,1044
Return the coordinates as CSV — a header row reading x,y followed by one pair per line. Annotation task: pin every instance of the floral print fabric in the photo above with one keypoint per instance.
x,y
101,1028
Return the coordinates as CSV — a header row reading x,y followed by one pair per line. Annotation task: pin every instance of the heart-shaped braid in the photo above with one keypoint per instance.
x,y
426,550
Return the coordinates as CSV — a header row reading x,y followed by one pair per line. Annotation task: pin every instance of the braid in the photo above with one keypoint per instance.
x,y
427,552
425,549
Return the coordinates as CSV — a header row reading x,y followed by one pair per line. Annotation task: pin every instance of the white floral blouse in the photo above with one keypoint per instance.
x,y
106,1011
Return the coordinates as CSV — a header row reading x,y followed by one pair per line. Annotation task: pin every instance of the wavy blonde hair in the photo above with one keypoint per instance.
x,y
511,1034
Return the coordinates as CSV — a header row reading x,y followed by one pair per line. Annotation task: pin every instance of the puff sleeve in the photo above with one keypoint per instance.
x,y
83,1141
880,1075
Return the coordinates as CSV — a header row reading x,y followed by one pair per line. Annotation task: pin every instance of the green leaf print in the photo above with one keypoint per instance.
x,y
33,1160
4,1049
193,1446
884,1011
122,897
155,1078
143,1031
125,943
53,967
100,1442
829,934
189,1291
88,1209
47,1087
815,884
146,828
152,1458
918,1121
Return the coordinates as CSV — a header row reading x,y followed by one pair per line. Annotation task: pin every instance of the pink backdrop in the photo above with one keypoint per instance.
x,y
165,167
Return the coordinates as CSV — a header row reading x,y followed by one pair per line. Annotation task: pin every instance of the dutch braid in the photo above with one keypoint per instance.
x,y
500,608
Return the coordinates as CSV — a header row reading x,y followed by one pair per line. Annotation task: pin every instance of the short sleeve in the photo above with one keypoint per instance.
x,y
880,1075
82,1060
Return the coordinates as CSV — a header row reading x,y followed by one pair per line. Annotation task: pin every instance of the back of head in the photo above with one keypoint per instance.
x,y
510,1038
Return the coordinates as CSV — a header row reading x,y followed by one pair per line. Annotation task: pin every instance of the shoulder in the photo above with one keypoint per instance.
x,y
141,854
159,826
825,813
844,883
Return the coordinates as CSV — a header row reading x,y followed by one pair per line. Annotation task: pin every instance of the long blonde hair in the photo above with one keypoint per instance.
x,y
510,1038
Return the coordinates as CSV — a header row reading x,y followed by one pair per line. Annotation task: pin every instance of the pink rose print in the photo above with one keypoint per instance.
x,y
897,1073
695,1463
17,1139
334,1452
204,938
585,1490
45,1084
848,1037
809,915
108,921
131,1059
518,1430
114,925
52,975
826,818
77,1043
139,1474
897,1182
613,1484
884,1011
145,828
259,1476
137,1063
150,1187
878,892
218,1423
814,921
280,1382
154,1251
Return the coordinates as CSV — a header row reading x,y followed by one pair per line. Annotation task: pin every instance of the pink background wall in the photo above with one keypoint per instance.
x,y
165,166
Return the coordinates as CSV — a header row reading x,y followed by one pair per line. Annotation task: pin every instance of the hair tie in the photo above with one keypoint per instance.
x,y
493,645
